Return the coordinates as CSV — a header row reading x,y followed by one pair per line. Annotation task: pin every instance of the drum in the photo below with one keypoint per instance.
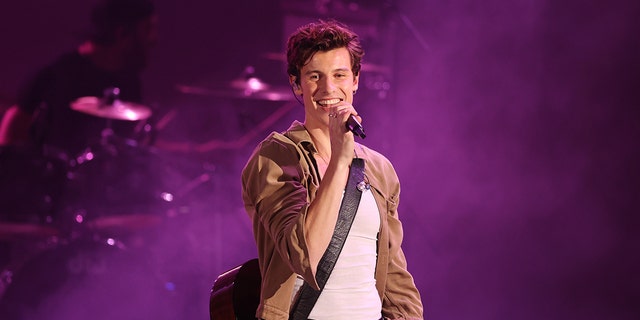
x,y
119,187
81,279
32,181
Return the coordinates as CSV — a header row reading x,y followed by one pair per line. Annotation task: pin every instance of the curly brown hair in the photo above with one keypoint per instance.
x,y
321,36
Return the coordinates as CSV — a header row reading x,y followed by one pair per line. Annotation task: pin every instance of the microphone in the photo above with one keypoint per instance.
x,y
354,126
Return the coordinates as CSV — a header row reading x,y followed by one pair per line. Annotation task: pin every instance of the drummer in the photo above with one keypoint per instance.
x,y
116,51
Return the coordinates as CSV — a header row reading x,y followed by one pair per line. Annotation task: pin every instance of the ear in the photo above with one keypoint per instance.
x,y
296,87
356,79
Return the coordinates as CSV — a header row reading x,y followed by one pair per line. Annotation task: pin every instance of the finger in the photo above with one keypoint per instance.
x,y
346,113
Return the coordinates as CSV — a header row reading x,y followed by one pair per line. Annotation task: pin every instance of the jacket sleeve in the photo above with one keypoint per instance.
x,y
275,195
401,299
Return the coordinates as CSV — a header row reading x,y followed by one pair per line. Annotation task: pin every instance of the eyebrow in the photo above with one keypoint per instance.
x,y
334,70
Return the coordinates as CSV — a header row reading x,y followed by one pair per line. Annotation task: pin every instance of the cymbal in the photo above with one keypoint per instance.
x,y
119,110
251,89
13,230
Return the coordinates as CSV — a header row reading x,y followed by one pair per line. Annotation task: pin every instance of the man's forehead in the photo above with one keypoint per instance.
x,y
333,60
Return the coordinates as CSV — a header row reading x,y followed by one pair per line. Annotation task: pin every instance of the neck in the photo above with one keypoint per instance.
x,y
104,57
322,142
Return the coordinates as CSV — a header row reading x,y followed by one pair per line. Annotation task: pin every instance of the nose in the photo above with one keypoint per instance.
x,y
328,84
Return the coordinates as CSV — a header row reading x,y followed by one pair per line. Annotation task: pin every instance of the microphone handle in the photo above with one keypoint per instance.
x,y
354,126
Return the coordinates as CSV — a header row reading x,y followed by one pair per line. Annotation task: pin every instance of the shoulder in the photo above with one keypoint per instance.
x,y
66,61
284,144
376,160
276,144
62,66
274,162
52,65
275,148
379,171
39,84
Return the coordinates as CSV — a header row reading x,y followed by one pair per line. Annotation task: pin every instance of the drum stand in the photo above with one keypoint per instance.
x,y
22,252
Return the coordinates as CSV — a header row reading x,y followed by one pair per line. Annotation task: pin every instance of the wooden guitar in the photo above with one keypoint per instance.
x,y
236,293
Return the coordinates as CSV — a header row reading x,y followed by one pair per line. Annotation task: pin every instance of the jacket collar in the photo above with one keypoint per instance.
x,y
301,137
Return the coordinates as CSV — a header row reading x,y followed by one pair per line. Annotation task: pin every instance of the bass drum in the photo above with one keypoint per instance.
x,y
82,279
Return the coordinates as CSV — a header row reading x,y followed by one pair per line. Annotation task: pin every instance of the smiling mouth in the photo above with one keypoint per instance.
x,y
328,102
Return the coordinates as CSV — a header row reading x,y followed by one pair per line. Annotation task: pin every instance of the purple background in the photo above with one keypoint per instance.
x,y
512,125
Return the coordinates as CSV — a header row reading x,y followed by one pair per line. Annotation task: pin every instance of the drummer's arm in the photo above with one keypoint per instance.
x,y
14,128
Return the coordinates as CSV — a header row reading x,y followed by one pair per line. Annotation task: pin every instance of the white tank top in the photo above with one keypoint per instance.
x,y
350,292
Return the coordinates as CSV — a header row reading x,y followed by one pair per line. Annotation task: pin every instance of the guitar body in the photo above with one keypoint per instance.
x,y
236,293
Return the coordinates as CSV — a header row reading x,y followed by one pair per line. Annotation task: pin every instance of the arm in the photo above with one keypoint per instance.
x,y
322,214
14,128
324,209
401,299
275,182
279,191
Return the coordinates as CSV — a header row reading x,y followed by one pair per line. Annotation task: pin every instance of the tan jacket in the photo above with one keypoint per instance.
x,y
278,183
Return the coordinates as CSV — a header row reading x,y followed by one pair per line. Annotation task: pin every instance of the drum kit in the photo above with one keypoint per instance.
x,y
71,206
36,181
65,215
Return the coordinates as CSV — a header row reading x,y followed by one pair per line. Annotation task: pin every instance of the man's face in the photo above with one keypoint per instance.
x,y
325,81
140,41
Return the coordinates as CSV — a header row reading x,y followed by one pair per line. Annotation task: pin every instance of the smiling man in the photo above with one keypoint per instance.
x,y
293,185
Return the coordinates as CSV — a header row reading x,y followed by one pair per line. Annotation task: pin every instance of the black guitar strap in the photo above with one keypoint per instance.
x,y
353,192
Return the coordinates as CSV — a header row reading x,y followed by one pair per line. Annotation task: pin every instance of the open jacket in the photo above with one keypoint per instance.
x,y
278,183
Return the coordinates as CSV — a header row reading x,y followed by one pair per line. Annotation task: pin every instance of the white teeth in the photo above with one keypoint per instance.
x,y
328,102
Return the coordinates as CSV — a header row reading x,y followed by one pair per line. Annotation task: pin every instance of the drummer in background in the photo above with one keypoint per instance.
x,y
123,33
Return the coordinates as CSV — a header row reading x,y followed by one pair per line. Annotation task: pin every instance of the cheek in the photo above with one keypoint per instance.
x,y
307,97
308,89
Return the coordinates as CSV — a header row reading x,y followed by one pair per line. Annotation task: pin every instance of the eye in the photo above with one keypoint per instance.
x,y
314,77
